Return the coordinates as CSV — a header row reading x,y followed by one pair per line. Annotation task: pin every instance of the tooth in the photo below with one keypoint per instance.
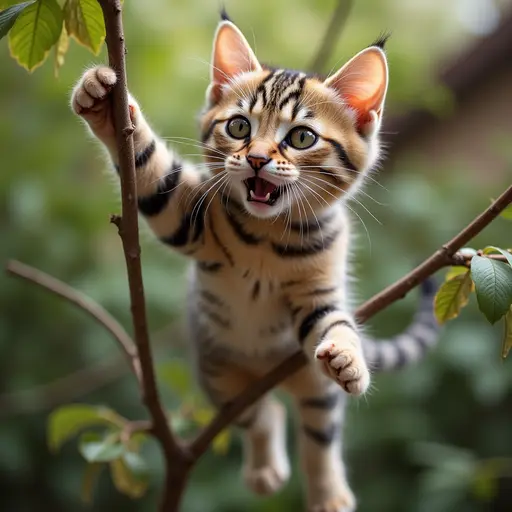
x,y
267,197
251,193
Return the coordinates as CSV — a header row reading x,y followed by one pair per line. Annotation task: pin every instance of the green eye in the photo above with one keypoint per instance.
x,y
301,138
238,127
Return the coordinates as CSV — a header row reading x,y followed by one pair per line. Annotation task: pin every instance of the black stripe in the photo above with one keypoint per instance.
x,y
326,402
324,437
342,154
293,95
215,318
312,318
180,237
211,298
295,312
315,247
208,266
197,218
152,205
256,290
239,230
208,133
402,358
321,291
261,89
142,158
312,226
336,323
219,243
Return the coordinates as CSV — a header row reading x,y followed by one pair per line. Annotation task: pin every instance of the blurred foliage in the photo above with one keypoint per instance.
x,y
435,437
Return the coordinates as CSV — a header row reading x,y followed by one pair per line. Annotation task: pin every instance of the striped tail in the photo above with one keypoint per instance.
x,y
411,345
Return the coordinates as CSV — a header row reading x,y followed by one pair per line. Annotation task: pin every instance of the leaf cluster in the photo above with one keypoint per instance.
x,y
37,26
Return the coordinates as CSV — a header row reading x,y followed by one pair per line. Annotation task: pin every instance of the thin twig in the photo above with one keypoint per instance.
x,y
332,34
441,258
101,315
176,458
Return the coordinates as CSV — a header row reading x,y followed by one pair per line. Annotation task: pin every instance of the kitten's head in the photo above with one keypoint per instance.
x,y
285,140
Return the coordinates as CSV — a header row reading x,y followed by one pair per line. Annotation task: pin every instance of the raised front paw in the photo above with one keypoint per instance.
x,y
90,100
344,363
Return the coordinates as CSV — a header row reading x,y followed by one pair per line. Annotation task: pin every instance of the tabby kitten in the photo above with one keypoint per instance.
x,y
268,235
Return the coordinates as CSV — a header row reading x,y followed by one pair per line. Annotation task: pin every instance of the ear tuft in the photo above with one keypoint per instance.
x,y
224,15
381,41
362,84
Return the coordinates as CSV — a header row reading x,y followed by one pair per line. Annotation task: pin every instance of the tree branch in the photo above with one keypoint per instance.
x,y
101,315
332,34
441,258
176,458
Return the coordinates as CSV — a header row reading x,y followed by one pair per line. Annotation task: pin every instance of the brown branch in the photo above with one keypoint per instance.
x,y
101,315
176,459
332,34
441,258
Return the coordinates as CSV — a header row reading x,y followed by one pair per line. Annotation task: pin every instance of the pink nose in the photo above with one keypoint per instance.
x,y
257,161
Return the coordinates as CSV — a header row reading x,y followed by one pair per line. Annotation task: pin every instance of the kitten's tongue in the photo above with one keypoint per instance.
x,y
262,188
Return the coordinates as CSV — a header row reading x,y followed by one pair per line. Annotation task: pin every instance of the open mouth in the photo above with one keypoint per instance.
x,y
262,191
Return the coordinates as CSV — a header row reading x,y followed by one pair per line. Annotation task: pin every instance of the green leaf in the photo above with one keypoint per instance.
x,y
9,16
95,449
176,375
84,21
127,481
61,48
136,464
455,271
493,282
89,480
507,339
67,421
36,30
221,442
507,212
491,249
452,296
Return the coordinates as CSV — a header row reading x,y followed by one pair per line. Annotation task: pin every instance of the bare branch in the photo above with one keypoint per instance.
x,y
332,34
101,315
441,258
176,459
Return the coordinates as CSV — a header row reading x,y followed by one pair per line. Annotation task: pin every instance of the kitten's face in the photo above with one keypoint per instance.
x,y
281,140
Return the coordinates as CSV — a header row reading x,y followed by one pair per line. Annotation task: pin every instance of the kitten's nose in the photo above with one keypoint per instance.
x,y
257,161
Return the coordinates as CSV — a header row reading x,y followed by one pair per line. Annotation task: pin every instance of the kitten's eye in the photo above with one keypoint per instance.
x,y
238,127
301,138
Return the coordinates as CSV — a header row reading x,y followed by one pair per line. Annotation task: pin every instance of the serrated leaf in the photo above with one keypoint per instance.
x,y
89,480
507,338
493,282
84,21
452,296
126,481
177,376
455,271
9,16
35,31
95,449
67,421
61,48
491,249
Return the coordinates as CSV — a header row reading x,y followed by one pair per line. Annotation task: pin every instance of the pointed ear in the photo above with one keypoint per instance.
x,y
232,56
362,83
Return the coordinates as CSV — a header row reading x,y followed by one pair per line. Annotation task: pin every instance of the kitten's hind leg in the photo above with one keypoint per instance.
x,y
266,467
320,407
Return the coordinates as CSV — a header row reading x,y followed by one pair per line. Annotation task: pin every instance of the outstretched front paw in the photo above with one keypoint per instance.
x,y
345,364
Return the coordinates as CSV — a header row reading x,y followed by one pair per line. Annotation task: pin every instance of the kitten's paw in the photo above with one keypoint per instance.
x,y
345,365
266,480
343,502
90,100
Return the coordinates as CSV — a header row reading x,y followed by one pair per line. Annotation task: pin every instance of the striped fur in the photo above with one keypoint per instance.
x,y
268,236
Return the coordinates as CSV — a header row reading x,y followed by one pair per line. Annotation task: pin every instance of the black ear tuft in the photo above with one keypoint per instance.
x,y
224,15
382,40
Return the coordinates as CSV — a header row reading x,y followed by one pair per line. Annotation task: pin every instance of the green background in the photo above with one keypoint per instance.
x,y
424,439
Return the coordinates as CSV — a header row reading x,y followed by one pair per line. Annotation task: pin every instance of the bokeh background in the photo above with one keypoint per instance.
x,y
435,437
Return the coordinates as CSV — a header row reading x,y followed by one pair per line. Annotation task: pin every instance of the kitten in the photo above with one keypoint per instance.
x,y
268,235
